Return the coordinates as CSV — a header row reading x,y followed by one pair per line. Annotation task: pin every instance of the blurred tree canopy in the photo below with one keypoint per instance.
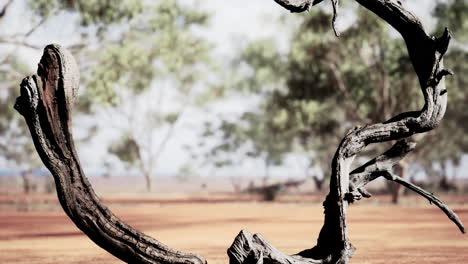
x,y
92,16
136,55
124,50
323,86
151,76
92,12
159,43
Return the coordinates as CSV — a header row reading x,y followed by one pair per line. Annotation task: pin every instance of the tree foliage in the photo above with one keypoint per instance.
x,y
125,48
159,43
92,12
93,16
321,87
157,60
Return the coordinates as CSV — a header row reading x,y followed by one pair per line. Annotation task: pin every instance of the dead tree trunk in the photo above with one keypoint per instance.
x,y
46,103
333,245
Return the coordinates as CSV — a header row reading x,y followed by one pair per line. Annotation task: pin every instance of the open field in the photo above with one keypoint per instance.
x,y
413,233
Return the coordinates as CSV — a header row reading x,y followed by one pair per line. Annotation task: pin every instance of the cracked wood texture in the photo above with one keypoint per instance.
x,y
46,102
333,244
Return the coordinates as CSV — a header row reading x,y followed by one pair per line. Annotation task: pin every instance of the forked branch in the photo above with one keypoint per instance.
x,y
381,166
430,197
46,103
426,54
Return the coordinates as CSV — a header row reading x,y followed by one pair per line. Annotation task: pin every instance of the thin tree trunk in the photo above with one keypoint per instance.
x,y
266,178
26,177
144,167
149,180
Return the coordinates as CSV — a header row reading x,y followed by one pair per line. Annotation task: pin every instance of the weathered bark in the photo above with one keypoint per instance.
x,y
333,245
46,103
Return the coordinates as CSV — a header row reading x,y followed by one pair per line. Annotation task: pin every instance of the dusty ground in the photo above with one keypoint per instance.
x,y
414,233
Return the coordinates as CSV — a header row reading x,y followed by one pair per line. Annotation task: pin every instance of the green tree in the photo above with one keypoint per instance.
x,y
260,133
88,17
324,88
123,48
151,77
313,89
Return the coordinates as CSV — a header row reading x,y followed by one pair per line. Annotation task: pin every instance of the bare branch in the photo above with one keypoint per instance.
x,y
46,103
430,197
381,166
335,5
298,6
5,8
19,43
374,168
426,53
35,27
295,6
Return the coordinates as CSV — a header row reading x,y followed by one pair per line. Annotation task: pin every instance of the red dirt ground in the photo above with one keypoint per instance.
x,y
382,234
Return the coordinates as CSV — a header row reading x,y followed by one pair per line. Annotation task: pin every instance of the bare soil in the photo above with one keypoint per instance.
x,y
413,233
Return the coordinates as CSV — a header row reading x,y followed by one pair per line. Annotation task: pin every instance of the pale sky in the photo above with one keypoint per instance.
x,y
233,25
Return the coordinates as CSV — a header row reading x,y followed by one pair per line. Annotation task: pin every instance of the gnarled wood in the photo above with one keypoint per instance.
x,y
333,245
295,6
46,103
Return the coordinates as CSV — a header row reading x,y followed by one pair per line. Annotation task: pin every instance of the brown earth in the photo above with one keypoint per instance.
x,y
414,233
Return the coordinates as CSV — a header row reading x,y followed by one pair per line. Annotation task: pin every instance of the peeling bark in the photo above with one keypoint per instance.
x,y
46,103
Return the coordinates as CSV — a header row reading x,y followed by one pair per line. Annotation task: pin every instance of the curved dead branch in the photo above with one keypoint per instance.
x,y
333,245
295,6
298,6
381,166
46,103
